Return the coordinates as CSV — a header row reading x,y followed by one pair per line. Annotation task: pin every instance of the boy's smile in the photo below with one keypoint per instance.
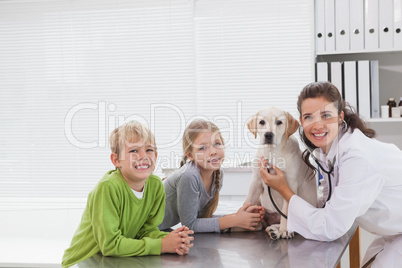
x,y
136,163
143,167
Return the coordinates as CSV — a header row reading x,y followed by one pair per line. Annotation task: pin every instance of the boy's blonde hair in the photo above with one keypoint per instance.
x,y
129,132
191,133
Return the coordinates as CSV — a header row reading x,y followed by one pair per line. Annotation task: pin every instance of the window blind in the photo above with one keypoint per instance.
x,y
71,71
250,55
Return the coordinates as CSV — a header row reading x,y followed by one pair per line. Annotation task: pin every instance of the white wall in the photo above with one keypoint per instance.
x,y
36,238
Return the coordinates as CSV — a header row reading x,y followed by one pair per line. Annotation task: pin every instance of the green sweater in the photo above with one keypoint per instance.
x,y
116,223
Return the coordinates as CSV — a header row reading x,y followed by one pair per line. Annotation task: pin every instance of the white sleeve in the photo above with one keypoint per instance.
x,y
325,192
359,185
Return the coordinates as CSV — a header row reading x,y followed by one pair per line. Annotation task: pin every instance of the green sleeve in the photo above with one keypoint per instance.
x,y
150,228
105,221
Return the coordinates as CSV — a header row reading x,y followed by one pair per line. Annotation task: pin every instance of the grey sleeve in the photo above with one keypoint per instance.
x,y
188,198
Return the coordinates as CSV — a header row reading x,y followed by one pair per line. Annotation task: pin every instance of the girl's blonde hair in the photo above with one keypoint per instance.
x,y
191,133
132,131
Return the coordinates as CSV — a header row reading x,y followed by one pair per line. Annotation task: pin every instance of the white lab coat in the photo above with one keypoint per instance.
x,y
366,187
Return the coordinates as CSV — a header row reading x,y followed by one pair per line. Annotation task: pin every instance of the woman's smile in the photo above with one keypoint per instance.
x,y
320,135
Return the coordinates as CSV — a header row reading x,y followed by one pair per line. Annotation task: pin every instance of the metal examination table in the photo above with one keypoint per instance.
x,y
245,249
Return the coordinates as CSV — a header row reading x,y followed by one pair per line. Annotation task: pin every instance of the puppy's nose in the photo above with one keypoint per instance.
x,y
269,137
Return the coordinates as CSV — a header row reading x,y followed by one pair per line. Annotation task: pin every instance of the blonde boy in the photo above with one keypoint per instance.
x,y
124,209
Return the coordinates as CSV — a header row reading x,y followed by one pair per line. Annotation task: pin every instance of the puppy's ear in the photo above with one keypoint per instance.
x,y
252,125
291,126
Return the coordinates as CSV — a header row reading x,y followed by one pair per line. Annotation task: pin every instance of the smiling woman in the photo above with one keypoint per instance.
x,y
320,121
363,170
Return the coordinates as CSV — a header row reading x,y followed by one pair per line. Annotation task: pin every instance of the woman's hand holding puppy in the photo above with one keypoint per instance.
x,y
277,182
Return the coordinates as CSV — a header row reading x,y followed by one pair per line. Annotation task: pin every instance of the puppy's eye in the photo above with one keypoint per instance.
x,y
278,122
262,122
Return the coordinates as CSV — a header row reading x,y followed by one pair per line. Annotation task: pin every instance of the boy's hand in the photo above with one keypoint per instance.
x,y
178,241
186,238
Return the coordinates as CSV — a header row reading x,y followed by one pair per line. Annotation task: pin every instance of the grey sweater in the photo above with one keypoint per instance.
x,y
186,200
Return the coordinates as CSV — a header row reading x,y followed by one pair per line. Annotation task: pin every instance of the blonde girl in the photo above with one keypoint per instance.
x,y
192,192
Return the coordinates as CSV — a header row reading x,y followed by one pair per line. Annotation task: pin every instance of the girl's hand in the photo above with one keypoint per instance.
x,y
257,209
277,182
247,220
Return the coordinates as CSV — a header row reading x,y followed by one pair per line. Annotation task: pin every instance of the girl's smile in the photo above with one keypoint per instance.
x,y
214,160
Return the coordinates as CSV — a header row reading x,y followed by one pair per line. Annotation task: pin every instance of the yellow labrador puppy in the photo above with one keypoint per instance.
x,y
276,143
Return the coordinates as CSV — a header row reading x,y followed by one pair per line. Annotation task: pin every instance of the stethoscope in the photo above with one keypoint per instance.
x,y
328,172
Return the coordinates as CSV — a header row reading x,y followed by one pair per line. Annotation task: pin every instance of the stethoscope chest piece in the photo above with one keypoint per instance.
x,y
272,171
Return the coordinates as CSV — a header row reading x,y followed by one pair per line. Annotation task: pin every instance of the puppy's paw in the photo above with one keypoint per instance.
x,y
275,232
287,235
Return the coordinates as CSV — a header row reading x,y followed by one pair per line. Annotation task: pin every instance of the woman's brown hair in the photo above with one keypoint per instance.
x,y
191,133
331,93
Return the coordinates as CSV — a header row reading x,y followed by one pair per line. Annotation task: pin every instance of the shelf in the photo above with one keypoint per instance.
x,y
363,51
384,120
